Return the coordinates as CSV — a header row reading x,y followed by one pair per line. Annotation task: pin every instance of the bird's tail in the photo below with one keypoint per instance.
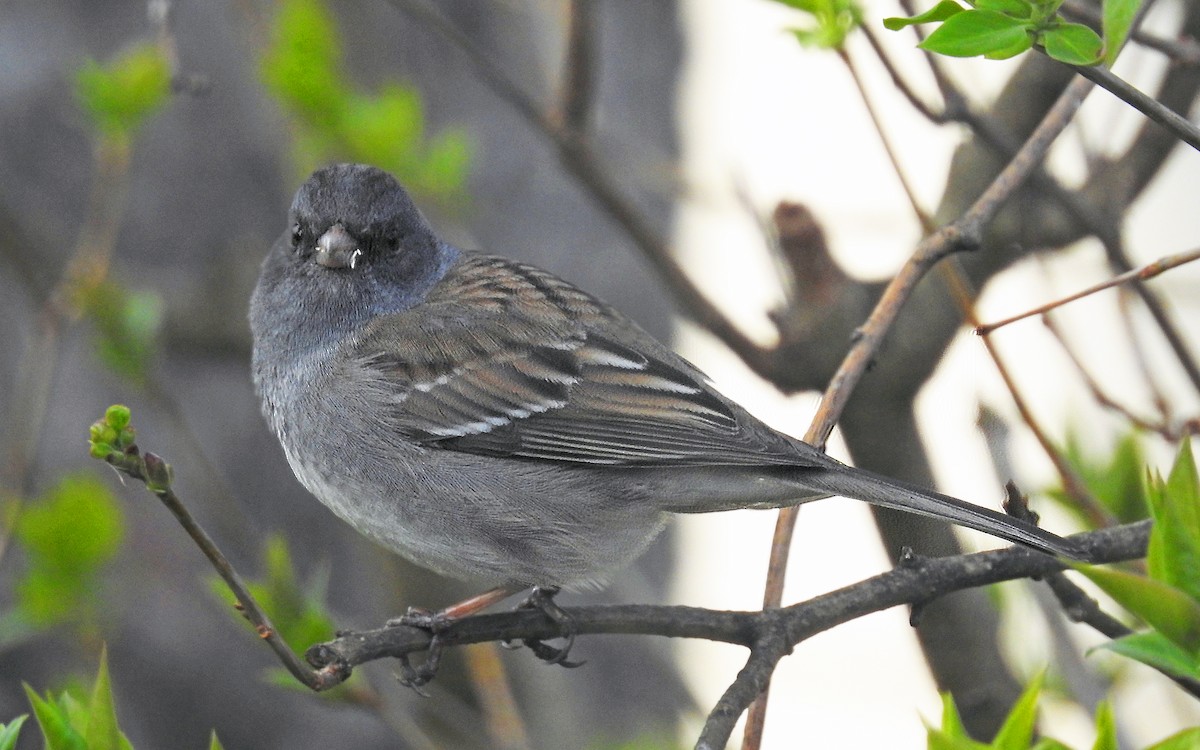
x,y
886,492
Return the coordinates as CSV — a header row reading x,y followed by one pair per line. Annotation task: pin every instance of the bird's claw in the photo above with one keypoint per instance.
x,y
542,599
433,622
551,654
420,676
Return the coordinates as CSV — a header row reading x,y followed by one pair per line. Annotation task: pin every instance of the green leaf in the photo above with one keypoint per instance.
x,y
333,120
75,712
1017,731
975,32
1106,728
446,162
386,129
300,66
1167,609
10,732
1072,43
1117,482
952,735
939,12
1174,553
102,732
118,97
1188,739
127,324
951,719
833,22
1019,45
1015,8
214,743
67,535
1117,20
1154,649
53,721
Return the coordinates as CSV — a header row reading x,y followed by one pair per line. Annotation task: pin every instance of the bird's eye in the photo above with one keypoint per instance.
x,y
297,235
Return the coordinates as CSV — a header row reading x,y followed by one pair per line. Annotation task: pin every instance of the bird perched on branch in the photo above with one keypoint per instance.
x,y
495,423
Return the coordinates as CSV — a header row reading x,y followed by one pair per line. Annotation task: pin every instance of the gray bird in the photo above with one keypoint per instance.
x,y
496,424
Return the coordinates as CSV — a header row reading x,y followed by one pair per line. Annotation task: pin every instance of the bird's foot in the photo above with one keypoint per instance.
x,y
437,623
425,619
542,599
421,675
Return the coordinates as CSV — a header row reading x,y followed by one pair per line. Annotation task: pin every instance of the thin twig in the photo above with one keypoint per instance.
x,y
1073,484
785,525
1164,429
155,473
749,688
1148,271
1102,224
899,81
1141,358
922,215
1114,250
1176,124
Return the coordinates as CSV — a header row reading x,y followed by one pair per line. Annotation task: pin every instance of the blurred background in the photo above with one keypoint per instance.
x,y
129,244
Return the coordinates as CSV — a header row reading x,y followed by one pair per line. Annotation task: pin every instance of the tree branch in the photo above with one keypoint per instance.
x,y
769,634
1177,125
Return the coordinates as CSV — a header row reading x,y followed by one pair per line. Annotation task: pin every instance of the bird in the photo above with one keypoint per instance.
x,y
497,424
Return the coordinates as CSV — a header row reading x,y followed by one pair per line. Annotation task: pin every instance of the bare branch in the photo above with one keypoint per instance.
x,y
1176,124
1148,271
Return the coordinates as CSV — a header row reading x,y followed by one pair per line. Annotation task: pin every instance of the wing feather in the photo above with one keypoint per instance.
x,y
503,359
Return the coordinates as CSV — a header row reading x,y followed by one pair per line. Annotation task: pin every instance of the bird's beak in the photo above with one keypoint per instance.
x,y
337,248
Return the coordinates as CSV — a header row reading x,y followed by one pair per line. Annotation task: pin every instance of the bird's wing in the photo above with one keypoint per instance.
x,y
505,359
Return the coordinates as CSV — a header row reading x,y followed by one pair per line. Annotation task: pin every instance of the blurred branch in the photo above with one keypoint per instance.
x,y
923,216
159,13
86,269
1148,271
579,78
1169,432
1175,124
900,82
501,717
1141,357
